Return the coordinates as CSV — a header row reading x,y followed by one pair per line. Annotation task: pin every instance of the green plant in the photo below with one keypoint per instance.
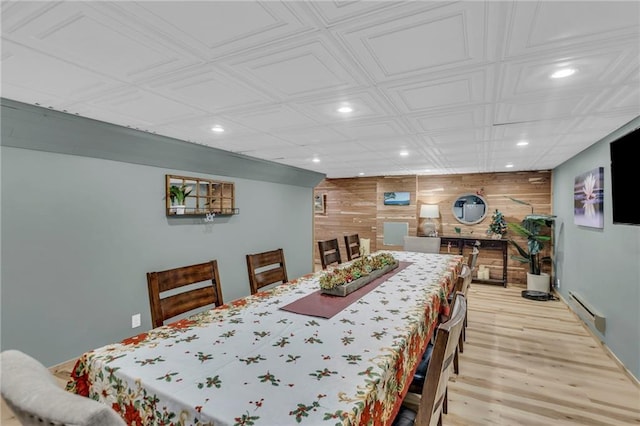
x,y
179,193
357,269
531,228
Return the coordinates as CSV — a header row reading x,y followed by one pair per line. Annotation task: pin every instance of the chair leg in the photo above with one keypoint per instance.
x,y
461,342
456,368
445,403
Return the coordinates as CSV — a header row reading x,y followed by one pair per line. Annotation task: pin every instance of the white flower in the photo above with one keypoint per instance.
x,y
589,189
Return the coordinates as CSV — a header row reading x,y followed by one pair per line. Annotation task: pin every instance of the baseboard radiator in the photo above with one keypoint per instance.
x,y
586,311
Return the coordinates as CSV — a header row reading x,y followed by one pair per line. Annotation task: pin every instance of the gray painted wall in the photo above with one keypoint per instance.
x,y
79,235
602,265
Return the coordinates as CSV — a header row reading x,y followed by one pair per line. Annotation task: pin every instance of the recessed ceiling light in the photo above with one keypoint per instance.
x,y
217,129
404,153
564,72
361,174
316,160
509,166
345,109
522,143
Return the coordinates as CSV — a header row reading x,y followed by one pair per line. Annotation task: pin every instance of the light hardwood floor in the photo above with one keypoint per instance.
x,y
524,363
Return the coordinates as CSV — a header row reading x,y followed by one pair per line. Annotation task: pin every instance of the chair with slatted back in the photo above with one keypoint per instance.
x,y
329,252
266,268
472,259
181,300
352,243
461,287
433,392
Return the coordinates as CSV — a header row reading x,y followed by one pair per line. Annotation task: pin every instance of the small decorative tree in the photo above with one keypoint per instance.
x,y
498,225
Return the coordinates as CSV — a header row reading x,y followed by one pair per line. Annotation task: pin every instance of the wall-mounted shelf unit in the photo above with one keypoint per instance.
x,y
201,197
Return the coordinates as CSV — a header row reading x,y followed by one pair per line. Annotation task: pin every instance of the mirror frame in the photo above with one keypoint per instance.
x,y
470,194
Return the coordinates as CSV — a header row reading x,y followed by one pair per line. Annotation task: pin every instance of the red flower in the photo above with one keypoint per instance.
x,y
238,303
135,339
82,384
132,416
181,324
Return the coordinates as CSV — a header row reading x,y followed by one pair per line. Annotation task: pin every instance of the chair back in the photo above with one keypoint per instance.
x,y
266,268
422,244
434,391
34,396
472,259
352,243
329,252
182,299
462,283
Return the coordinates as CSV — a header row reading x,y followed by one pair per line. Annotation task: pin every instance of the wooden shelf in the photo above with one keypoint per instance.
x,y
204,197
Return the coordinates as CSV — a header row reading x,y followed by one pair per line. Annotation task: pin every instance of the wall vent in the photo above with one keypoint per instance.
x,y
586,311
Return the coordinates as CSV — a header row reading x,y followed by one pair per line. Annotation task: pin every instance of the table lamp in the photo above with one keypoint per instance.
x,y
429,212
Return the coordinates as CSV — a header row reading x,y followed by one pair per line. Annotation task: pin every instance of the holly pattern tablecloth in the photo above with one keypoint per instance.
x,y
250,363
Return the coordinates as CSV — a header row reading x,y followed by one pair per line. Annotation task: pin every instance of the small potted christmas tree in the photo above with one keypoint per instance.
x,y
498,226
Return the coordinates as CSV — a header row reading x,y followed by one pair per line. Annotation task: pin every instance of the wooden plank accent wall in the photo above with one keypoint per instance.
x,y
350,206
355,205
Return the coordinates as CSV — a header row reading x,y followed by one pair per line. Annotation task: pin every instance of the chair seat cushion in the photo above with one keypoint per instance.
x,y
421,371
405,417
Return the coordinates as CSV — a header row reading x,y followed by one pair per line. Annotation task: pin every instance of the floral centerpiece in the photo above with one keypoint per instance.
x,y
498,226
358,269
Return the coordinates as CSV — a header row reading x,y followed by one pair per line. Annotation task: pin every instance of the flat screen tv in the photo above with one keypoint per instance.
x,y
624,163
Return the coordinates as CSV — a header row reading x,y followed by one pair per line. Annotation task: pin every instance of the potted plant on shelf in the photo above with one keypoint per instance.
x,y
178,195
531,228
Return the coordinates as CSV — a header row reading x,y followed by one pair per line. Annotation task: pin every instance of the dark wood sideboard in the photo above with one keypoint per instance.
x,y
485,244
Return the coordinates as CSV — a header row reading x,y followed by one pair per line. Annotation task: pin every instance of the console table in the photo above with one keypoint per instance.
x,y
485,244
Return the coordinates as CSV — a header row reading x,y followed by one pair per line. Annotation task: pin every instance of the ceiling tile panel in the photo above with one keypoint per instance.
x,y
399,46
544,25
451,119
540,109
365,105
311,136
210,90
217,28
372,130
144,107
296,70
458,90
45,77
272,118
79,34
594,70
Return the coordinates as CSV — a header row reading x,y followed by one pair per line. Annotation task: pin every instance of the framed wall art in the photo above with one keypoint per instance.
x,y
588,199
319,204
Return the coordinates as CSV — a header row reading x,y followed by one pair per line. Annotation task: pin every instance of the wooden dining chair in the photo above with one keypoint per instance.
x,y
433,392
266,268
329,252
352,243
461,287
182,300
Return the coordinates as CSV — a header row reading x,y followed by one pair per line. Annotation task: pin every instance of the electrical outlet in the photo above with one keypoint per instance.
x,y
135,321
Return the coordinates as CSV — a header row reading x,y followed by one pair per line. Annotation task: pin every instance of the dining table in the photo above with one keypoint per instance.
x,y
290,355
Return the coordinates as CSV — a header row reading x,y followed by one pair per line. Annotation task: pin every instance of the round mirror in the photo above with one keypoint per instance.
x,y
470,209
